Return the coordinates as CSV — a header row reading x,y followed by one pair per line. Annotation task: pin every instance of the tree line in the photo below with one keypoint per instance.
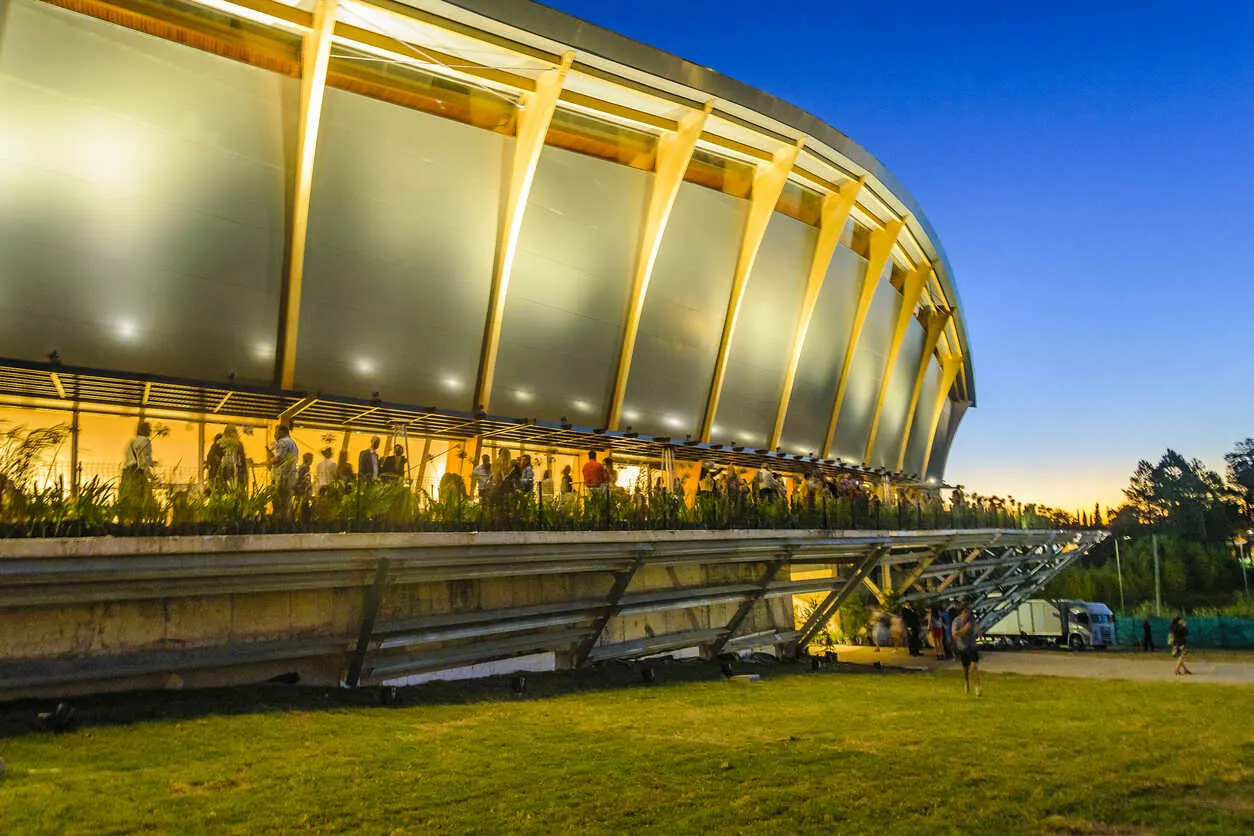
x,y
1199,521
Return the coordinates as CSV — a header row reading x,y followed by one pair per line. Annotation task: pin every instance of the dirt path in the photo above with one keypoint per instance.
x,y
1090,665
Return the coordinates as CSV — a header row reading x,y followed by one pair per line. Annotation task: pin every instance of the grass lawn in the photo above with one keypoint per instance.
x,y
797,753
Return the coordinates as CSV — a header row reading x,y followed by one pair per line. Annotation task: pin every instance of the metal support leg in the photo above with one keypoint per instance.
x,y
833,601
747,605
621,581
370,612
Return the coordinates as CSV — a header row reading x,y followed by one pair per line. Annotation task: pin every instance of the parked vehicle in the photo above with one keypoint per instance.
x,y
1067,623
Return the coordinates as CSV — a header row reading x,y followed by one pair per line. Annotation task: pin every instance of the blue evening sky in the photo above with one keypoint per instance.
x,y
1088,167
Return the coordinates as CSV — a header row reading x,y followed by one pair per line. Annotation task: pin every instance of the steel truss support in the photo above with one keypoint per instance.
x,y
315,59
768,185
882,241
1003,581
832,218
370,612
613,603
1034,580
674,152
747,605
535,112
832,602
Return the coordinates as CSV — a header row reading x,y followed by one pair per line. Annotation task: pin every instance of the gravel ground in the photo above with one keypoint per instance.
x,y
1085,665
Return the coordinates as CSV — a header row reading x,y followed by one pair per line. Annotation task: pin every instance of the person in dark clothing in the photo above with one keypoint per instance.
x,y
1179,645
1147,637
394,466
368,462
910,619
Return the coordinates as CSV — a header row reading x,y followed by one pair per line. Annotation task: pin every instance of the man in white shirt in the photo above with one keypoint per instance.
x,y
135,490
324,473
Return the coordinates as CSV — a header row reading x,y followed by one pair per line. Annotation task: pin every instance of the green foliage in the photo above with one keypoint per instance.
x,y
1182,498
1241,474
23,452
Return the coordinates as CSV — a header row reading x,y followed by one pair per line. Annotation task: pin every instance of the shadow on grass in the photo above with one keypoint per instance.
x,y
21,717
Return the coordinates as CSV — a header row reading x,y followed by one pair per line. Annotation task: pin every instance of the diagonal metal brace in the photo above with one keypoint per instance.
x,y
369,613
838,596
613,604
747,605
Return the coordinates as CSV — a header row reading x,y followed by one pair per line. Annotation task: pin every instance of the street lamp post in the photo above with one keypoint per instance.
x,y
1119,570
1240,542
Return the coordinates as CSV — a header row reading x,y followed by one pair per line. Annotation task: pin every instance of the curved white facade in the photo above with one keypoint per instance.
x,y
147,224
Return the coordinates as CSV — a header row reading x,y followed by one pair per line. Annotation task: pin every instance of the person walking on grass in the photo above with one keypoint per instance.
x,y
1179,645
1147,637
966,632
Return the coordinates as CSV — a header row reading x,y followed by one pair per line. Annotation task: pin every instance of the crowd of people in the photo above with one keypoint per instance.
x,y
505,480
952,633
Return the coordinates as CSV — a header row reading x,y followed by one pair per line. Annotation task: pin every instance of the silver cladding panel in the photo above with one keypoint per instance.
x,y
940,456
141,199
684,312
818,372
402,231
764,332
567,301
923,417
897,398
940,447
865,374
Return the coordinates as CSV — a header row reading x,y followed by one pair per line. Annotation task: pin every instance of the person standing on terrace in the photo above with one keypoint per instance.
x,y
482,474
368,462
325,473
593,472
283,462
135,490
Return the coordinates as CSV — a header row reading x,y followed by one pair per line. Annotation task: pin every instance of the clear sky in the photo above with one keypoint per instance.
x,y
1089,168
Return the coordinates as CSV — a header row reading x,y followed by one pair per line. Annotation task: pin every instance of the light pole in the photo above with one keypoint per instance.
x,y
1119,570
1241,541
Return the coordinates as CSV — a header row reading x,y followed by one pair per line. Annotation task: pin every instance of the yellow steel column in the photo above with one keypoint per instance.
x,y
768,184
911,290
951,364
935,324
882,241
535,111
674,151
315,57
834,214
